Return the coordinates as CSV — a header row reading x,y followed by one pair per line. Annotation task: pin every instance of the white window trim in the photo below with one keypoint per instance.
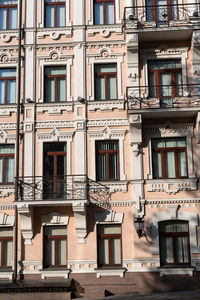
x,y
163,52
107,134
55,58
170,130
105,56
91,13
54,135
42,14
174,214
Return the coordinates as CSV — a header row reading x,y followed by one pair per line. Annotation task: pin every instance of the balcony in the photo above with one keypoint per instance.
x,y
183,16
165,97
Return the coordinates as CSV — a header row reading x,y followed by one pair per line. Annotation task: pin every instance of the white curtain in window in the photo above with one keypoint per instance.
x,y
98,14
50,90
157,165
101,166
100,88
103,251
112,87
169,250
2,91
62,252
169,164
11,91
2,18
49,16
51,252
113,166
178,84
182,167
110,14
6,232
165,84
61,90
60,15
8,245
182,244
13,18
9,171
116,250
4,149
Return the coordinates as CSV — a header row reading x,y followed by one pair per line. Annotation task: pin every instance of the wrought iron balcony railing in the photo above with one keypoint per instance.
x,y
160,15
52,188
164,96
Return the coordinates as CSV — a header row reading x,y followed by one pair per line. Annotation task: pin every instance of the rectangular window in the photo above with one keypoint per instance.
x,y
6,164
169,158
54,170
107,160
8,14
6,247
7,86
104,12
174,243
55,84
109,245
55,246
105,81
165,80
54,13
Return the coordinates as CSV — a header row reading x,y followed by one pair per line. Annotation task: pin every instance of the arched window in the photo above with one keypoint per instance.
x,y
174,243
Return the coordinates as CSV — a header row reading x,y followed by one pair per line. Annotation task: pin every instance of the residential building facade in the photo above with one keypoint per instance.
x,y
108,185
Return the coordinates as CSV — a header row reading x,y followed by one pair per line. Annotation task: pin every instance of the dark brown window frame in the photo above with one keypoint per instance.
x,y
108,152
2,240
4,156
109,237
55,5
175,235
170,149
104,2
6,79
106,76
56,238
8,6
56,78
169,6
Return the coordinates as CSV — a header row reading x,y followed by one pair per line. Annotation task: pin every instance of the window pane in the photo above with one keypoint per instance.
x,y
105,68
8,253
9,171
7,72
2,91
182,250
157,165
182,167
103,252
101,166
61,90
13,18
11,91
60,15
50,253
113,166
116,251
49,90
112,87
55,230
100,88
169,164
168,226
164,64
109,229
2,18
165,85
55,70
108,145
6,232
5,149
62,251
49,16
99,13
166,250
110,14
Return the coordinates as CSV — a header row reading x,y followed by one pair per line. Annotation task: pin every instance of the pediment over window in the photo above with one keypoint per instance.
x,y
109,216
6,219
54,218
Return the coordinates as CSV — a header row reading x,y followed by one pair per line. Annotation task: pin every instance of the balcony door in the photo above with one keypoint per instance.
x,y
162,11
54,170
165,80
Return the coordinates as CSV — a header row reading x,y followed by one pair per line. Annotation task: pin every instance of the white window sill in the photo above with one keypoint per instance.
x,y
49,273
176,271
5,274
114,271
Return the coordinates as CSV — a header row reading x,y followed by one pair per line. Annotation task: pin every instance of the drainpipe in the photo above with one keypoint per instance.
x,y
17,139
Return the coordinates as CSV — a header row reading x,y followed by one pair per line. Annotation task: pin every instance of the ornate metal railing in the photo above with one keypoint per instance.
x,y
164,96
160,15
70,187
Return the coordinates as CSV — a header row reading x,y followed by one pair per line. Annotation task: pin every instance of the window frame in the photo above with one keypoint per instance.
x,y
109,237
107,152
4,156
154,10
56,238
6,79
170,149
55,5
106,76
7,7
56,79
104,2
175,236
2,240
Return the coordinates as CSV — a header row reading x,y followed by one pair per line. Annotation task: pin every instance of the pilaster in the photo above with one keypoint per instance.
x,y
79,210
